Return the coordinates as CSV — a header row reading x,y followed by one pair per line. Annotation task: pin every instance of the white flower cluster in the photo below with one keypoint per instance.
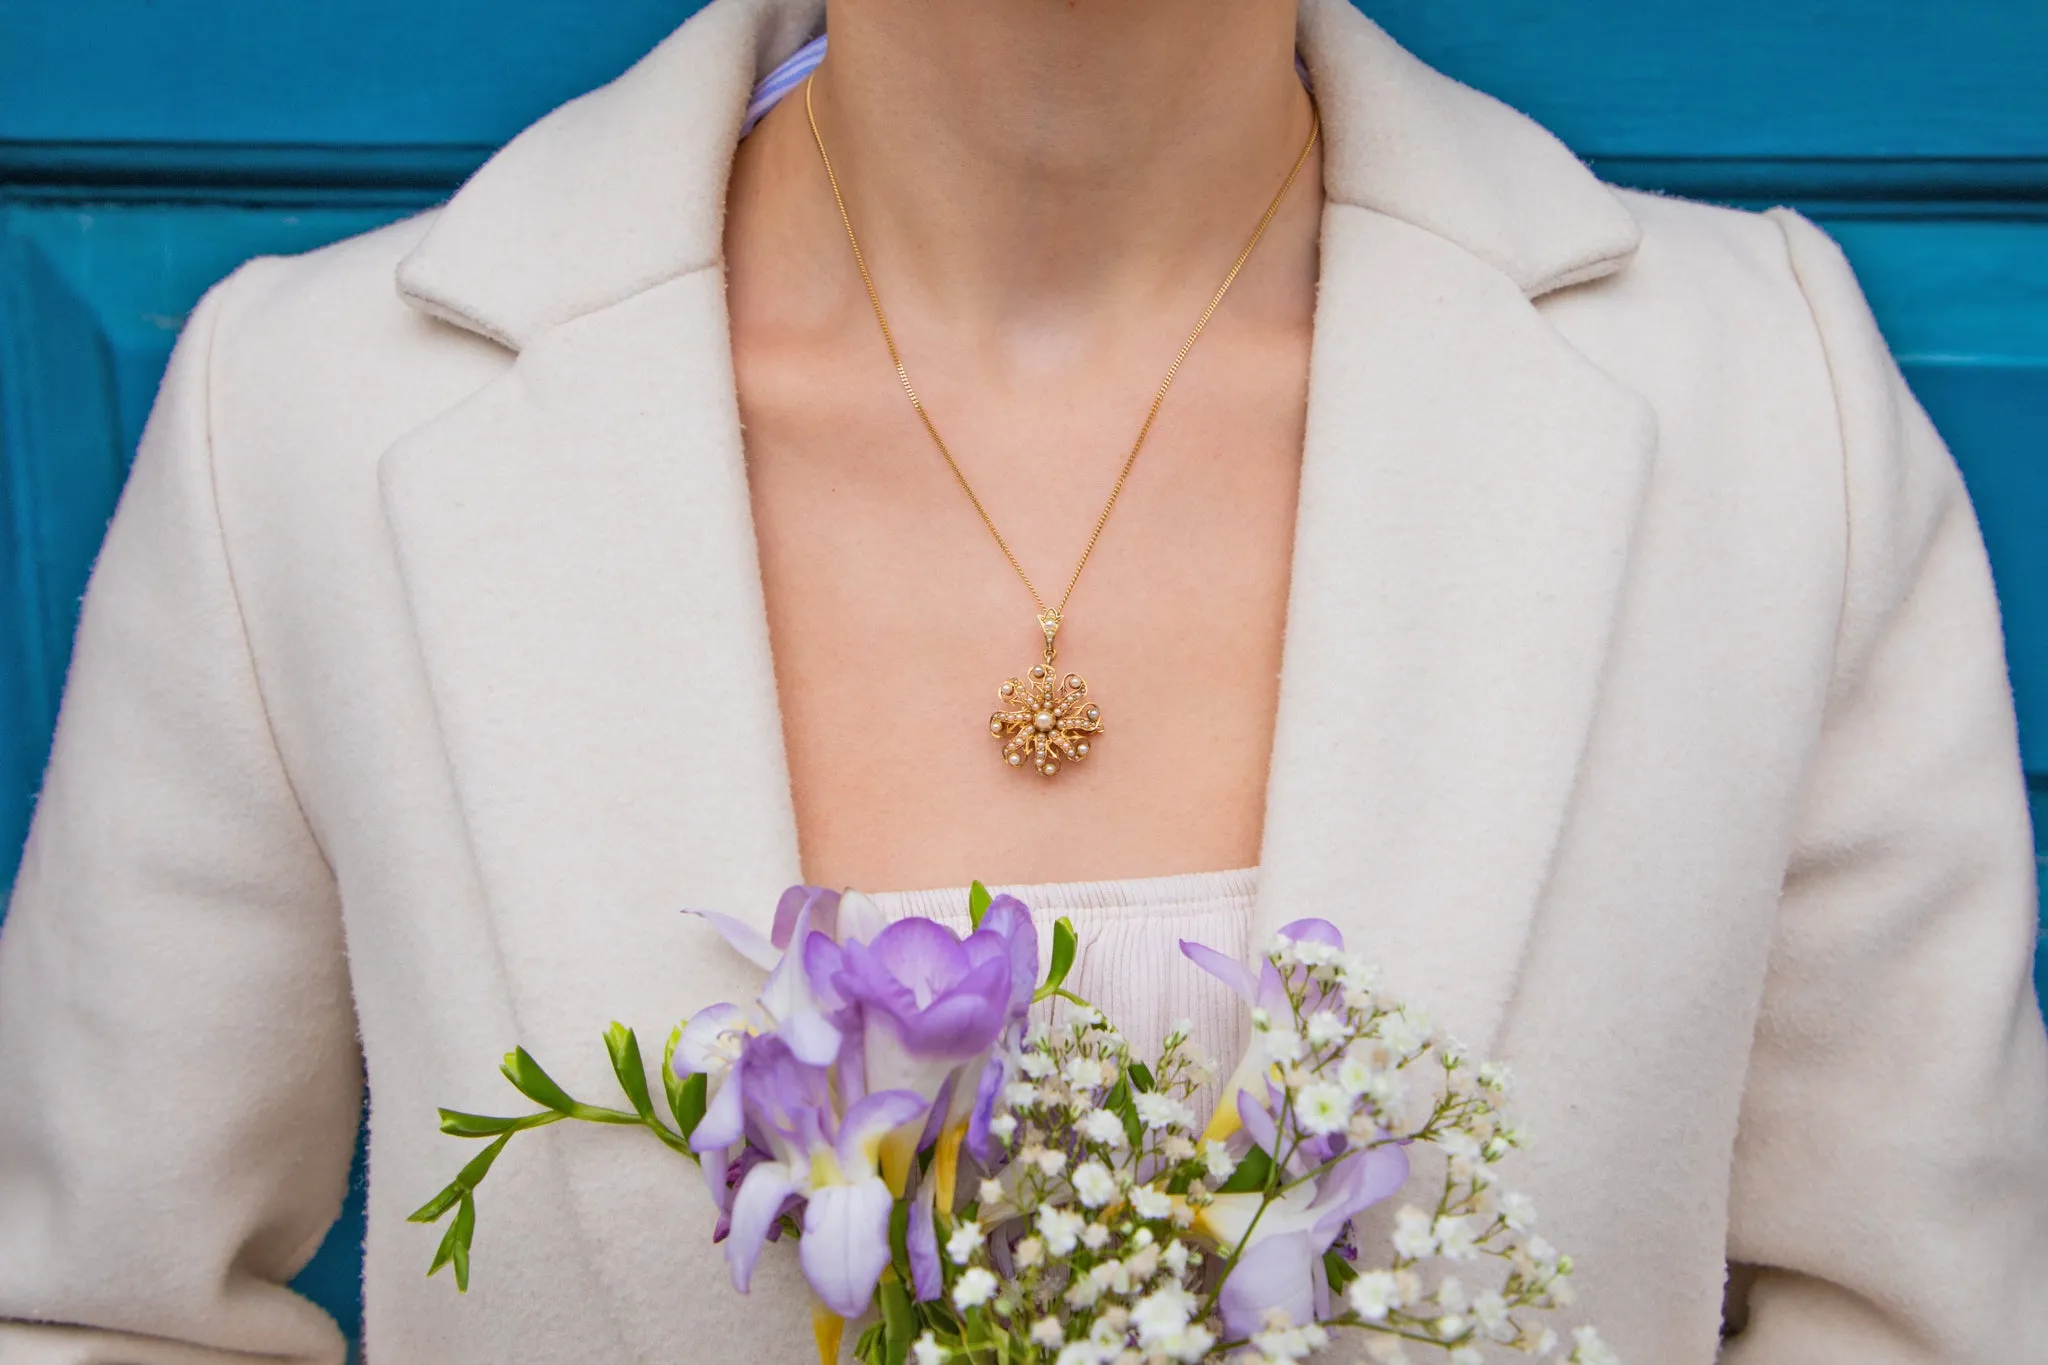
x,y
1110,1226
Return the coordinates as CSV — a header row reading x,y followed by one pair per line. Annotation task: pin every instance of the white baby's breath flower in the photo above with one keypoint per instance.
x,y
1052,1162
1082,1294
1061,1229
1546,1344
1094,1236
1490,1311
975,1287
927,1351
1047,1332
1177,1148
1028,1253
1541,1252
1588,1349
1176,1257
960,1247
1404,1031
1326,1027
1373,1295
1191,1345
1495,1077
1282,1046
1219,1161
1261,1020
1456,1239
1449,1327
1148,1202
1084,1353
1414,1234
1158,1111
1103,1126
1450,1295
1322,1108
1020,1095
1003,1127
1094,1184
1518,1211
1036,1065
991,1192
1162,1315
1086,1073
1354,1073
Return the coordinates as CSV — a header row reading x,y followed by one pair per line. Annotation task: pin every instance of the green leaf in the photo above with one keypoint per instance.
x,y
627,1066
899,1324
464,1230
688,1099
1252,1173
1126,1108
467,1179
1141,1077
529,1080
1340,1271
868,1350
1064,945
672,1084
431,1211
454,1248
978,899
899,1239
458,1124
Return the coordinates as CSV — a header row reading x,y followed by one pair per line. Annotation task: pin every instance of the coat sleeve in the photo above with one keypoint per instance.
x,y
179,1074
1891,1173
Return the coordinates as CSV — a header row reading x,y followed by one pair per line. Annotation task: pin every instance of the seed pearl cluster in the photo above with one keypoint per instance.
x,y
1046,719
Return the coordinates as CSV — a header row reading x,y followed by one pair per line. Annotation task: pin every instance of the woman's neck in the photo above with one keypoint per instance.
x,y
1019,160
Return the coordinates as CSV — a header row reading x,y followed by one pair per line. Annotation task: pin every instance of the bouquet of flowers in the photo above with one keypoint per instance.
x,y
972,1163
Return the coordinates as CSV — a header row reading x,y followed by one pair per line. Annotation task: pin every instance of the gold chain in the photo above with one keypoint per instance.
x,y
1151,414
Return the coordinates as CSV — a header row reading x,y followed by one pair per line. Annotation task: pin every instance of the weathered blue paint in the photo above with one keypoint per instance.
x,y
147,148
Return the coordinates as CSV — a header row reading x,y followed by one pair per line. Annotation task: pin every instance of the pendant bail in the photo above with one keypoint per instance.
x,y
1050,624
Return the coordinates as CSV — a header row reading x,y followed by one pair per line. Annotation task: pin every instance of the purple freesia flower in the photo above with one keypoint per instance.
x,y
816,1157
1264,990
930,1008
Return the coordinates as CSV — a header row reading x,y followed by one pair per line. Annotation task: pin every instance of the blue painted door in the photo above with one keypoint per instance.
x,y
146,149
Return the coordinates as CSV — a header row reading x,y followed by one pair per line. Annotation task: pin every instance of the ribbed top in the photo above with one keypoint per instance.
x,y
1130,965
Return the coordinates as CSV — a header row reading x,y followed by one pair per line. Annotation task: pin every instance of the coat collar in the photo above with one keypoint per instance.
x,y
624,188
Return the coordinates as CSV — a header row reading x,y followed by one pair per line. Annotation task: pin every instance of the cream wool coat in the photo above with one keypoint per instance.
x,y
1643,713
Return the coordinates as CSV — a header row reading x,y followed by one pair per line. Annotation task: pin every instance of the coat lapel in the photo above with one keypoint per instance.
x,y
1469,491
579,560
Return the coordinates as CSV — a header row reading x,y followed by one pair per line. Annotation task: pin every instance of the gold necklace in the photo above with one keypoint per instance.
x,y
1045,717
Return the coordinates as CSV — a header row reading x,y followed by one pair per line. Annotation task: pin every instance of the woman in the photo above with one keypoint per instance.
x,y
1640,705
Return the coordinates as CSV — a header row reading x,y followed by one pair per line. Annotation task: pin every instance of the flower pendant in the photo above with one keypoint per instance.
x,y
1046,718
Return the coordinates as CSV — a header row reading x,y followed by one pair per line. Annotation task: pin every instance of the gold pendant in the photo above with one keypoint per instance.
x,y
1046,718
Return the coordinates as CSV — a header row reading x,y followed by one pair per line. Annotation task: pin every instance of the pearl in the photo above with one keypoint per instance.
x,y
1016,760
1043,720
1038,670
1009,689
1092,713
1050,768
1074,683
1081,749
995,727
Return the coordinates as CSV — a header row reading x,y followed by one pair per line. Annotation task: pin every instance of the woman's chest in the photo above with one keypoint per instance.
x,y
896,617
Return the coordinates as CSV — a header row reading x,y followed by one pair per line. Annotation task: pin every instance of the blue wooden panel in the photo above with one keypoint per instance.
x,y
91,299
1881,78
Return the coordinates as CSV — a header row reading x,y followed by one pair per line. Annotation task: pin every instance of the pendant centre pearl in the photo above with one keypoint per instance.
x,y
1043,720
